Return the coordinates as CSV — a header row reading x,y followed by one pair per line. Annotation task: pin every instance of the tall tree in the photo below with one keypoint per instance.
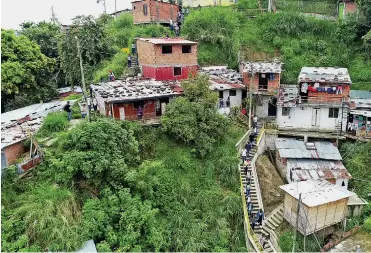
x,y
26,72
194,118
96,45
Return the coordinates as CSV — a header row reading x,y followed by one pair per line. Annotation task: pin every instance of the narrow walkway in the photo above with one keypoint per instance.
x,y
253,193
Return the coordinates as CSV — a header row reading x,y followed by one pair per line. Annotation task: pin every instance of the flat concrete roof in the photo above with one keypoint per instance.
x,y
168,41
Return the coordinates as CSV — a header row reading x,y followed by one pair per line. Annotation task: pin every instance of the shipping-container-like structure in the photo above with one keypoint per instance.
x,y
167,58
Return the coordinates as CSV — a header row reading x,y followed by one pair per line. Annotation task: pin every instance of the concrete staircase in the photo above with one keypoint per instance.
x,y
273,220
259,231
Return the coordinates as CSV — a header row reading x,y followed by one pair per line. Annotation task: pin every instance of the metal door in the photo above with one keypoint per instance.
x,y
316,116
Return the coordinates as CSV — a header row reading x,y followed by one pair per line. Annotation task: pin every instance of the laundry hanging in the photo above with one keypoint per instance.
x,y
304,88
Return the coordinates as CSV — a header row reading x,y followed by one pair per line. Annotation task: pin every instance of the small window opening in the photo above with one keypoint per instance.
x,y
177,71
186,49
167,49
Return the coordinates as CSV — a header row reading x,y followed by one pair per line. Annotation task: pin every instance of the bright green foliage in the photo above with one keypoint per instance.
x,y
193,118
54,122
75,96
99,152
324,7
357,160
95,44
215,29
25,72
367,224
311,244
125,222
365,8
117,64
44,217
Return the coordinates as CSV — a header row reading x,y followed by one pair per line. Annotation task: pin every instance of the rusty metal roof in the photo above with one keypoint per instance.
x,y
291,148
308,169
222,78
324,74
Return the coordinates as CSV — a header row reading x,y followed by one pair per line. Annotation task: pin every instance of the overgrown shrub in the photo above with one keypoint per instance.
x,y
286,241
74,96
54,122
367,225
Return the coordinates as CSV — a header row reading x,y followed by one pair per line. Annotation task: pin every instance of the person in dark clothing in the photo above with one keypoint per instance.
x,y
67,108
228,101
248,188
91,91
248,148
252,224
140,113
129,61
252,137
260,217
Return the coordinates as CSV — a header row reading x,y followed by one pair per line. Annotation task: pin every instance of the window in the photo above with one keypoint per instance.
x,y
232,93
186,49
167,49
177,71
133,7
145,10
333,112
285,111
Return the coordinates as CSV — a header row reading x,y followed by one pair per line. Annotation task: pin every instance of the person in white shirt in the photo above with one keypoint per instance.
x,y
255,120
95,104
243,154
88,100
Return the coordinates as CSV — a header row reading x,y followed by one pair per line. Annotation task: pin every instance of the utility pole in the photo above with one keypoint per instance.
x,y
104,5
82,74
250,94
115,6
54,18
297,223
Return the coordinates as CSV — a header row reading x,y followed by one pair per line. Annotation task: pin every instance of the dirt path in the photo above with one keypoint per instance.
x,y
269,181
361,238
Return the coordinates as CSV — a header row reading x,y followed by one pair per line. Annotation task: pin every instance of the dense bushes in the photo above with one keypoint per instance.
x,y
54,122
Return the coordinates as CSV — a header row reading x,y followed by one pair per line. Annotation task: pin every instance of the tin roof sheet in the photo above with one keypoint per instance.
x,y
315,193
263,67
324,74
360,94
291,148
308,169
222,78
169,41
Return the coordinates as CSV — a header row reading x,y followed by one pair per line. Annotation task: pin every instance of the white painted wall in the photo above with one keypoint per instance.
x,y
262,110
302,117
235,100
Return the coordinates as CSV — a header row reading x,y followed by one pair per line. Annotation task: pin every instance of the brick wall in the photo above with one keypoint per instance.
x,y
167,73
176,57
157,11
149,110
146,52
13,152
151,54
162,12
273,85
328,97
138,14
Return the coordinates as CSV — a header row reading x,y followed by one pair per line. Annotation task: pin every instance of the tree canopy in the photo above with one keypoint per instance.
x,y
26,72
194,118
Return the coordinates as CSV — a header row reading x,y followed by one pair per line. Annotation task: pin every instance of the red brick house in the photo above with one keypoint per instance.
x,y
265,81
124,99
152,11
167,59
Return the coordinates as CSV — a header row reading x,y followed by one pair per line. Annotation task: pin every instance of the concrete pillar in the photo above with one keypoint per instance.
x,y
305,138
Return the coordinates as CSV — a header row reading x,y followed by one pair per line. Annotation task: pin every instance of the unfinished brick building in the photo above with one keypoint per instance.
x,y
152,11
265,82
167,59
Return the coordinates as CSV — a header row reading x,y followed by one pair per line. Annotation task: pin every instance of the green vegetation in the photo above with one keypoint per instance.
x,y
131,188
326,7
341,10
75,96
311,244
54,122
25,72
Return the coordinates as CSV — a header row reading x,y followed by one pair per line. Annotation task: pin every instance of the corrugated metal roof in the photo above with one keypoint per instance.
x,y
263,67
315,193
169,41
360,94
308,169
291,148
324,74
222,78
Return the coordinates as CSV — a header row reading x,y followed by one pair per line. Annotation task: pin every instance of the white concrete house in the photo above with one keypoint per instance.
x,y
318,103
